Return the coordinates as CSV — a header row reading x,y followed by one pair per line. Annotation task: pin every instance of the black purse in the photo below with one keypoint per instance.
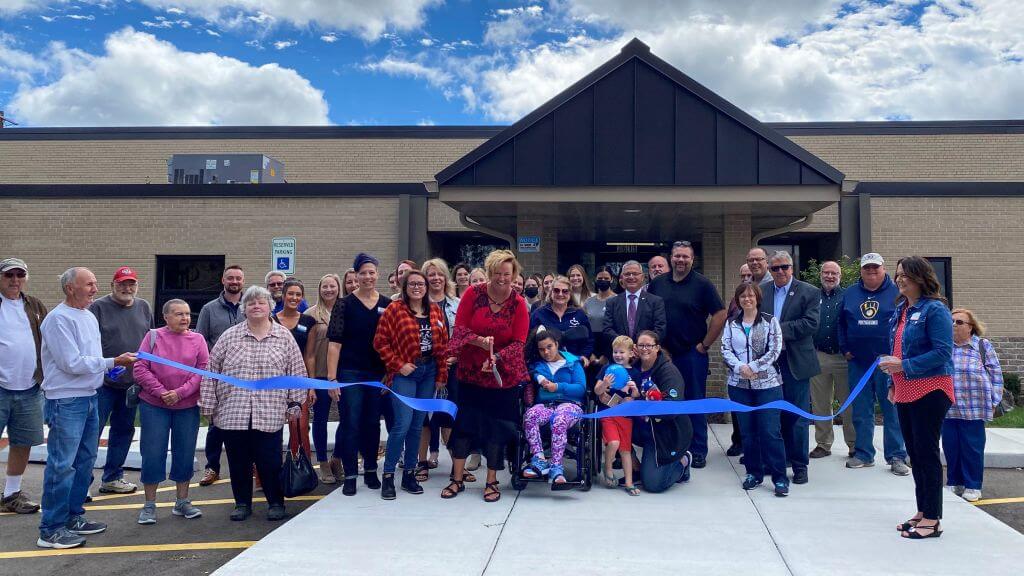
x,y
297,474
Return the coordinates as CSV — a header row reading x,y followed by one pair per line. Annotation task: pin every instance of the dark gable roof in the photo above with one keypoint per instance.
x,y
637,120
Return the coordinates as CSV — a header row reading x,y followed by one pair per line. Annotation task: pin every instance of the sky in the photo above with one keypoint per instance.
x,y
478,62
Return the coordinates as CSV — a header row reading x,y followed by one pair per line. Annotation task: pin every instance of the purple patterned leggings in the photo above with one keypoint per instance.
x,y
561,418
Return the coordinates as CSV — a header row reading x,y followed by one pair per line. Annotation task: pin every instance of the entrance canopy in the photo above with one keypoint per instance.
x,y
638,134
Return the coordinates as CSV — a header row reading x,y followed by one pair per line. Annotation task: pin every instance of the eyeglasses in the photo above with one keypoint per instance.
x,y
19,274
962,323
631,274
756,259
780,267
646,346
416,285
559,290
275,284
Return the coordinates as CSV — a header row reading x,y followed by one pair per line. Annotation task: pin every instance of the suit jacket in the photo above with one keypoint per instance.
x,y
799,322
650,315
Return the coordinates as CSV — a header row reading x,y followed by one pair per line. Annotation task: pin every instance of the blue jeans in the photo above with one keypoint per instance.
x,y
694,367
407,424
764,451
794,428
182,426
112,405
70,455
963,442
657,478
864,417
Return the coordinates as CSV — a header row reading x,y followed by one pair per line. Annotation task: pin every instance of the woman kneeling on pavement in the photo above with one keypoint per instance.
x,y
252,420
167,408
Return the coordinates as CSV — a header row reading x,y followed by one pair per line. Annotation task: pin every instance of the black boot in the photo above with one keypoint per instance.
x,y
371,481
349,489
387,491
409,483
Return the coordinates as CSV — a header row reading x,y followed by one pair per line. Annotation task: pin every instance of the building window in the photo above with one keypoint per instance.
x,y
194,279
943,266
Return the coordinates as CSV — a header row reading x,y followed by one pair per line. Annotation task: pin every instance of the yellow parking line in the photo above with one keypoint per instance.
x,y
988,501
123,549
136,505
141,492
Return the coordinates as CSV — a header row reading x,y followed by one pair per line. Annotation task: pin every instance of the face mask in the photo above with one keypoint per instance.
x,y
531,291
603,285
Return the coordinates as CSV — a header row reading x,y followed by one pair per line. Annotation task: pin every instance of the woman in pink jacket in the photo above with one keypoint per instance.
x,y
168,408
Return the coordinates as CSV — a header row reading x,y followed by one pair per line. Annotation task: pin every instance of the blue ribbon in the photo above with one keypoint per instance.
x,y
628,409
711,405
288,382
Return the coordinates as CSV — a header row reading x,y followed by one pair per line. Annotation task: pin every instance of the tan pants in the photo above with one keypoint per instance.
x,y
832,381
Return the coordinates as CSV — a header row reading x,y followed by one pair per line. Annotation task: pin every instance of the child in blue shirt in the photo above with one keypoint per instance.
x,y
617,384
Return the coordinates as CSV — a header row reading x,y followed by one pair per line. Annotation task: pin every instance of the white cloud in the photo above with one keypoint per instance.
x,y
329,38
177,11
425,122
140,80
17,64
282,44
394,66
213,33
515,26
367,19
426,42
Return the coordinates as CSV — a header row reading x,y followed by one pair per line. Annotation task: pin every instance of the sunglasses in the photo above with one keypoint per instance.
x,y
19,274
962,323
559,291
780,267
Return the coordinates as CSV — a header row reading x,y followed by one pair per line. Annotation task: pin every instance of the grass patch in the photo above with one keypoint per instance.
x,y
1013,419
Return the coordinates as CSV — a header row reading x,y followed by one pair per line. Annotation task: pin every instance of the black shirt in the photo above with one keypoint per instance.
x,y
426,336
353,325
687,306
826,339
301,330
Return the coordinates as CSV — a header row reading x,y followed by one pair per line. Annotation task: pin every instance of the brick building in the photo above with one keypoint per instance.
x,y
628,159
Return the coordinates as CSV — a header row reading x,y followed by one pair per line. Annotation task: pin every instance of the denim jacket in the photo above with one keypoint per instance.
x,y
927,338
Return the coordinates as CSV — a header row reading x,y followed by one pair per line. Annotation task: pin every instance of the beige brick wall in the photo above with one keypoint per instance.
x,y
102,234
443,218
983,236
305,160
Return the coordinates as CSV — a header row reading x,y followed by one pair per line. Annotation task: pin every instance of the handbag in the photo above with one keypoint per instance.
x,y
297,475
1006,403
131,395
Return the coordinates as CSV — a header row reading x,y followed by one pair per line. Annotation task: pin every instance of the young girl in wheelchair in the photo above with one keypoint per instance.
x,y
555,396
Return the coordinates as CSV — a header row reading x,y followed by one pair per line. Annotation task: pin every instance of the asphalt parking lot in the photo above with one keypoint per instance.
x,y
176,546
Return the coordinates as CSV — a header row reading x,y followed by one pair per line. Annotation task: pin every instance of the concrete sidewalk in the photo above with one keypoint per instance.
x,y
842,522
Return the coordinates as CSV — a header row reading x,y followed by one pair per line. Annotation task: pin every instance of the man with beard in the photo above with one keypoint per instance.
x,y
217,316
275,284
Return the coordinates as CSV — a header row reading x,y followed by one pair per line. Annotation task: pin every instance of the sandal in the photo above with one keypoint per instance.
x,y
491,492
466,477
452,490
609,481
536,468
632,490
906,526
913,533
432,463
326,474
422,471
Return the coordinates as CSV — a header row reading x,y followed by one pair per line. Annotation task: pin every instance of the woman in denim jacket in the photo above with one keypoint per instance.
x,y
921,368
751,343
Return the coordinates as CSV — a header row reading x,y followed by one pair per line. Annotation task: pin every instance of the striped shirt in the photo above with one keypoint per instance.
x,y
977,380
241,354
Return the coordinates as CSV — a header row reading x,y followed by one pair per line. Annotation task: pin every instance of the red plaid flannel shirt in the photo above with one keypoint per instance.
x,y
398,339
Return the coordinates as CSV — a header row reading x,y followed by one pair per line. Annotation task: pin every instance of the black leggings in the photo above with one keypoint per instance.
x,y
921,423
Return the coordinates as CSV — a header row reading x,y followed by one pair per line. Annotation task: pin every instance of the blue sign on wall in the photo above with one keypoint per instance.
x,y
529,244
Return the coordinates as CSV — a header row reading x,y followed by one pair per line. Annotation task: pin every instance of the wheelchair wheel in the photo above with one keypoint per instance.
x,y
586,453
517,482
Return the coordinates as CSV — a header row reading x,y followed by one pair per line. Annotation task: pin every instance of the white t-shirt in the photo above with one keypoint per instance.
x,y
17,346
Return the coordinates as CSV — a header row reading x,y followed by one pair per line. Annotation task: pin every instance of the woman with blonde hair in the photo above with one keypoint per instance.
x,y
580,284
977,390
328,292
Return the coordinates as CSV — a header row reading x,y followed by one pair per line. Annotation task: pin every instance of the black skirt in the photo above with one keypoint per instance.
x,y
487,416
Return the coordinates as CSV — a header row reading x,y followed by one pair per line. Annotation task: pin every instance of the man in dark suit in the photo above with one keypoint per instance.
x,y
634,310
796,305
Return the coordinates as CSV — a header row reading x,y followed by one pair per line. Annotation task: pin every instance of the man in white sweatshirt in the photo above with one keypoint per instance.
x,y
73,368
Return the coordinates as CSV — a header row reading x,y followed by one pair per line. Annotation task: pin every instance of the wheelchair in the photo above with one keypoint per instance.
x,y
579,451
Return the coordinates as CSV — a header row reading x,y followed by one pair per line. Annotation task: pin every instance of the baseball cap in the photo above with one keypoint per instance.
x,y
12,264
871,258
125,273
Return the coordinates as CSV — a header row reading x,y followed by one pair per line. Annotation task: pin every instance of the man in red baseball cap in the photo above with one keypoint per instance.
x,y
124,320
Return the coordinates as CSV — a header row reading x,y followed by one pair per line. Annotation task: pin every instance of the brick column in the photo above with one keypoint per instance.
x,y
532,224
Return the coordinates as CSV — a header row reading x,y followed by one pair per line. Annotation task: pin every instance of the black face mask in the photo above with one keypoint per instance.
x,y
531,291
603,285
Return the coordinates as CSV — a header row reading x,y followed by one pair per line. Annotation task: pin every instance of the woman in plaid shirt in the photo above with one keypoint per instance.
x,y
251,420
412,340
978,388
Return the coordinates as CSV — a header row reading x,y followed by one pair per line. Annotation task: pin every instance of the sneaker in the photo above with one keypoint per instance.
x,y
241,512
276,512
60,539
686,469
958,490
387,490
18,503
698,461
79,525
972,495
119,486
751,482
537,467
186,509
800,476
371,480
147,515
899,467
781,489
858,463
819,452
734,450
209,477
88,496
410,484
349,487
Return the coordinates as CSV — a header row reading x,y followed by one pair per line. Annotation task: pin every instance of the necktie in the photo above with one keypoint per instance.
x,y
631,316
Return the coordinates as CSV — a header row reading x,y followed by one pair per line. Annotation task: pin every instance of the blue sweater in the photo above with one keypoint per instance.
x,y
577,337
864,320
571,380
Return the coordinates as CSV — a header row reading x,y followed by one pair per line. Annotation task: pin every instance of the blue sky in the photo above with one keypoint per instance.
x,y
161,62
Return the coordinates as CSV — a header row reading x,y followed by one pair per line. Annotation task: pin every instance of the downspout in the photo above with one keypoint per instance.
x,y
798,225
489,231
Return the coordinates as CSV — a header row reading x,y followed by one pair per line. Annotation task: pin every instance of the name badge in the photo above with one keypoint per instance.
x,y
380,310
301,328
915,316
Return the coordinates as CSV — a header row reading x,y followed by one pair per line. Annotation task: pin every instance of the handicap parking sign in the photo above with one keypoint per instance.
x,y
282,256
283,263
